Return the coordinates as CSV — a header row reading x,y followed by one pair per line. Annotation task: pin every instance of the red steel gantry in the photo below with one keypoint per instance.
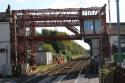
x,y
24,22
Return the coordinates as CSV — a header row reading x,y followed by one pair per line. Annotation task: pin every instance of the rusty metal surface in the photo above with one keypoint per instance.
x,y
32,18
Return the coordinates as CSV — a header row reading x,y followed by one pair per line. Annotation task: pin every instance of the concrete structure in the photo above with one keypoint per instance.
x,y
95,43
96,47
5,46
114,39
44,58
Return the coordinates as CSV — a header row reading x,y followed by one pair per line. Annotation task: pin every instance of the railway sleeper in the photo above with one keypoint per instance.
x,y
67,67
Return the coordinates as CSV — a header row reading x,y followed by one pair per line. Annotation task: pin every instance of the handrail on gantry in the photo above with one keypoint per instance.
x,y
57,10
60,11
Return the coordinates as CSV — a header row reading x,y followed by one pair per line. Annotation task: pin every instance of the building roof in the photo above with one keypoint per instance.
x,y
121,23
3,17
114,28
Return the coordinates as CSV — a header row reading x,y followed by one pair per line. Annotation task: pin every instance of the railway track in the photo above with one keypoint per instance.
x,y
69,70
74,72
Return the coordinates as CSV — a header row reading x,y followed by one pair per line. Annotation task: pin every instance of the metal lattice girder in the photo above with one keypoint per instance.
x,y
51,23
56,18
72,28
102,10
56,23
47,17
52,37
57,14
39,11
60,37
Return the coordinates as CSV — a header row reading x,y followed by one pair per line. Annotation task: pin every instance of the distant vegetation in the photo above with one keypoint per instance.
x,y
67,49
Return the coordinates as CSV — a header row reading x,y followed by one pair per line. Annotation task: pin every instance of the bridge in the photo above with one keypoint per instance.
x,y
91,22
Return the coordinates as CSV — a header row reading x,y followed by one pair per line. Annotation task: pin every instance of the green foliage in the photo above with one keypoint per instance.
x,y
116,57
45,32
105,72
37,33
47,47
43,68
48,32
63,48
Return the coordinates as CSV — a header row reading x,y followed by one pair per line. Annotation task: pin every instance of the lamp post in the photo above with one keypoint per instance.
x,y
118,32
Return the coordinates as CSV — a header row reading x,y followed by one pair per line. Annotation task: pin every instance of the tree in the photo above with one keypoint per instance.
x,y
45,32
67,48
47,47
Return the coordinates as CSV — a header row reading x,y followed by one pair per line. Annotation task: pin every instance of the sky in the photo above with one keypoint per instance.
x,y
40,4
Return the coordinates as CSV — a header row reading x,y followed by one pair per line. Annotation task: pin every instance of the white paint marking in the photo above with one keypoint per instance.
x,y
76,81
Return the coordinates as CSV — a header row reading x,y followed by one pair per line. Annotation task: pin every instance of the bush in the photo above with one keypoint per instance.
x,y
47,47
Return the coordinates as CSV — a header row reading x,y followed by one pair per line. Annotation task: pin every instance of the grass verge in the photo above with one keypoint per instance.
x,y
43,68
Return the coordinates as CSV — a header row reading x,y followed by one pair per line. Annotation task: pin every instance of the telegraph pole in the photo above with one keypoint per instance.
x,y
109,14
110,28
118,29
